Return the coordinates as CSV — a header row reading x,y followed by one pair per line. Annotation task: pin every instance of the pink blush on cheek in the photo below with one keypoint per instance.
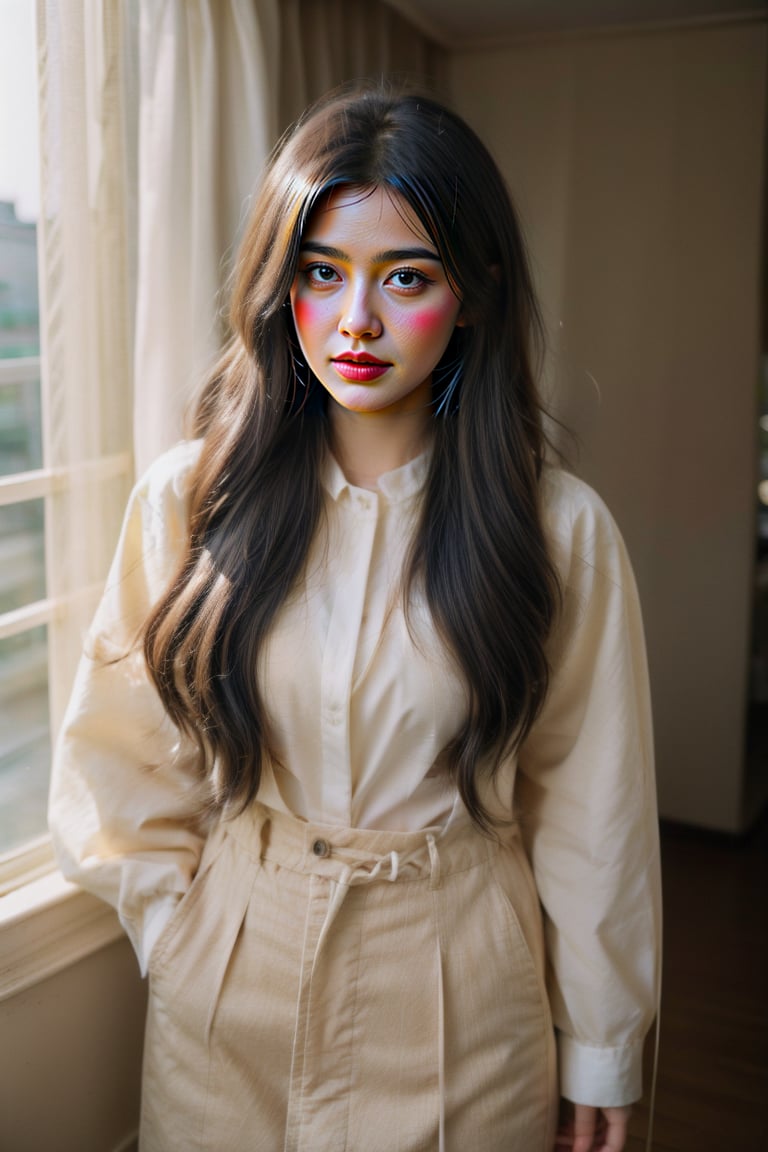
x,y
427,320
305,315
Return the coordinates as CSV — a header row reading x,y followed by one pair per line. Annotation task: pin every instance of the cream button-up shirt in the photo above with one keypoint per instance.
x,y
358,711
360,706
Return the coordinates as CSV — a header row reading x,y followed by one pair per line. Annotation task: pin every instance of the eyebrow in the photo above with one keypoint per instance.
x,y
385,257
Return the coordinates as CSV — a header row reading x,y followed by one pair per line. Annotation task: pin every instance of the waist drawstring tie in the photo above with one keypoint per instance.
x,y
360,874
389,867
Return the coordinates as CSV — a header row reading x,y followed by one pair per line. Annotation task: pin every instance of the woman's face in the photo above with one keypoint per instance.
x,y
372,305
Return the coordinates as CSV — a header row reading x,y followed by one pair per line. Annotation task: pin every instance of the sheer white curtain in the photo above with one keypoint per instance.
x,y
207,118
85,330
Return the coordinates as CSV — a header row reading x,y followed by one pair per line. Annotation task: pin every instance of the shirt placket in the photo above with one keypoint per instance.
x,y
358,513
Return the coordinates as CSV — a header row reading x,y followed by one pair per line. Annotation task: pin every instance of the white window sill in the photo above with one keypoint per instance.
x,y
45,926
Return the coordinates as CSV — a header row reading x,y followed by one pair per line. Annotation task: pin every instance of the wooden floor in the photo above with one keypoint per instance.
x,y
712,1093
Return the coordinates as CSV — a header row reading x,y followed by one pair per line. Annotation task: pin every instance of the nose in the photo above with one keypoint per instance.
x,y
358,318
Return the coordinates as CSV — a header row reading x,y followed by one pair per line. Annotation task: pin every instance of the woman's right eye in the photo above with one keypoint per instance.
x,y
321,274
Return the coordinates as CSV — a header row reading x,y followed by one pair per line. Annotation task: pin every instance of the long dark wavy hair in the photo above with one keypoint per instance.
x,y
478,555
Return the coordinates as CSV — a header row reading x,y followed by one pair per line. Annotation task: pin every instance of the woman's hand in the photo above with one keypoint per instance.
x,y
585,1129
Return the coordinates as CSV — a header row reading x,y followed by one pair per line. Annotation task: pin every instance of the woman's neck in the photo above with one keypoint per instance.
x,y
370,444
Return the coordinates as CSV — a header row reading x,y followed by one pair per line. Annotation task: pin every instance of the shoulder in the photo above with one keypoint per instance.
x,y
156,525
162,493
568,503
152,541
579,526
169,475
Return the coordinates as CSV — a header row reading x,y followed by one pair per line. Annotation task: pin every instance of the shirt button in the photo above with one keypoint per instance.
x,y
321,848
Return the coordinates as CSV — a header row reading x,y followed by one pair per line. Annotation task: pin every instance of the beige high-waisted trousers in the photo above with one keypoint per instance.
x,y
322,989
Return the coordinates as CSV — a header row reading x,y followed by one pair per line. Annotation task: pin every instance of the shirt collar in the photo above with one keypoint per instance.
x,y
398,485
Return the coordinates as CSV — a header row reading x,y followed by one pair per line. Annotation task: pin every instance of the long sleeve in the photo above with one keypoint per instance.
x,y
586,797
124,804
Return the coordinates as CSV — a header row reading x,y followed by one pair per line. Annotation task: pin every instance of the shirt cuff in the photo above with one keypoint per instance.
x,y
598,1076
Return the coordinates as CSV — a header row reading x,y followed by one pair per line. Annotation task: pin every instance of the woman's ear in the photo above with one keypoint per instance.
x,y
464,318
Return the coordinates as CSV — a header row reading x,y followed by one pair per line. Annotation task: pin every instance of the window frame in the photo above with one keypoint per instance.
x,y
44,483
46,923
31,859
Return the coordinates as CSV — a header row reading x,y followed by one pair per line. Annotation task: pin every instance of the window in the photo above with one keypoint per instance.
x,y
24,483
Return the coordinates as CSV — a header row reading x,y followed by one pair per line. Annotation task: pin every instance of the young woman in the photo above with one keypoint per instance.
x,y
373,790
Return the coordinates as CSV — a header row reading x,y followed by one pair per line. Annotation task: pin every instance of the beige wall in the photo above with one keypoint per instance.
x,y
636,162
70,1057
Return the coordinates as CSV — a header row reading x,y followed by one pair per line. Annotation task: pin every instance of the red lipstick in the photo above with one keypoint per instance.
x,y
359,366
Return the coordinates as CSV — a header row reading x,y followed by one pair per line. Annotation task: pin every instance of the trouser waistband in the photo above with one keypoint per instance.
x,y
357,855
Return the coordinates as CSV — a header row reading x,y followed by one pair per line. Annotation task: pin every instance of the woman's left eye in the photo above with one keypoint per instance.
x,y
408,279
